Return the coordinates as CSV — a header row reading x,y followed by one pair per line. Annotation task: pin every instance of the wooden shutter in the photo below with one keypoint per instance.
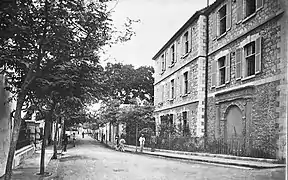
x,y
227,68
214,25
228,15
181,84
213,74
238,63
259,4
258,55
239,10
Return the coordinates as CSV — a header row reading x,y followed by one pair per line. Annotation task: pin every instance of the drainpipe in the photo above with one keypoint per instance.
x,y
206,79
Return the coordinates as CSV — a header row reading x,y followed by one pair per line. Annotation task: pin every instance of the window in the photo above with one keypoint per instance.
x,y
172,54
186,43
186,83
185,124
170,119
163,62
222,69
250,7
172,89
222,19
250,58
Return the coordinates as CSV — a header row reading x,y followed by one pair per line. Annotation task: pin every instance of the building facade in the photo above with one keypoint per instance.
x,y
237,89
180,79
247,79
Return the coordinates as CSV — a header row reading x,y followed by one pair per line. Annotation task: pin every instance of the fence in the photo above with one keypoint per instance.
x,y
23,138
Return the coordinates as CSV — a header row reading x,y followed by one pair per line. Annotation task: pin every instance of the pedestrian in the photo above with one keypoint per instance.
x,y
122,144
74,139
65,142
141,141
117,140
153,142
83,134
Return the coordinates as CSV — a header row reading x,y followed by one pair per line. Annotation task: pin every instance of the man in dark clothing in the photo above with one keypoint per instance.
x,y
83,134
65,142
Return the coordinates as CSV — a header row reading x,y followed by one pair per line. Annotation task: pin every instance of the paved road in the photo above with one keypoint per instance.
x,y
91,160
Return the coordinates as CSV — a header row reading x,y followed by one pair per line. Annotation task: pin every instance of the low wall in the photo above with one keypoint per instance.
x,y
22,154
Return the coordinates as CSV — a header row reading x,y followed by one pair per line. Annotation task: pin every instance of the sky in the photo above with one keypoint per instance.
x,y
159,21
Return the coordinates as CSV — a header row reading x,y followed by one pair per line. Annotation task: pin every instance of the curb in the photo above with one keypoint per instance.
x,y
255,166
208,161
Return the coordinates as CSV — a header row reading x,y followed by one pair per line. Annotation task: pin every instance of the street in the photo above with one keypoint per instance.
x,y
91,160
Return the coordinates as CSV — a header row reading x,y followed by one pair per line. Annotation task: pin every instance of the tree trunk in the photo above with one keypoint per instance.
x,y
42,160
14,137
55,141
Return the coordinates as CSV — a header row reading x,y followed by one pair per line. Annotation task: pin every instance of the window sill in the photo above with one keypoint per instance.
x,y
221,36
249,17
162,72
185,55
171,65
186,94
171,100
220,86
249,77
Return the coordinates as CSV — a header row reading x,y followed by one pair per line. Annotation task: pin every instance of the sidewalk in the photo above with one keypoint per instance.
x,y
209,158
31,166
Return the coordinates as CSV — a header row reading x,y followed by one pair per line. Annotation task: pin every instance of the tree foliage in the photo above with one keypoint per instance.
x,y
126,83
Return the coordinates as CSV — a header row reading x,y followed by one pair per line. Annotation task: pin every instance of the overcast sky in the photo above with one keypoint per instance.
x,y
160,19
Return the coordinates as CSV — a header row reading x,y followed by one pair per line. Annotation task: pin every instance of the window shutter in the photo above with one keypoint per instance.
x,y
238,63
189,39
217,24
167,91
228,15
259,4
239,10
227,68
181,84
258,55
214,25
159,64
213,74
190,77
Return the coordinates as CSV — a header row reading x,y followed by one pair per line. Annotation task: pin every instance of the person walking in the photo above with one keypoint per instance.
x,y
74,139
142,142
83,134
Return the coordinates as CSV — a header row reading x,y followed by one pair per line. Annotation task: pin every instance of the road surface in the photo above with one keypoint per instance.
x,y
91,160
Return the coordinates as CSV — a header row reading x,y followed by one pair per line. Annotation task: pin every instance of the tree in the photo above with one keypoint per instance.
x,y
36,36
126,82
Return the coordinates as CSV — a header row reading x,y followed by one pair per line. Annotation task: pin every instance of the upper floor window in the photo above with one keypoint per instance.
x,y
172,54
246,8
186,43
172,89
222,19
250,58
250,7
186,83
222,70
163,63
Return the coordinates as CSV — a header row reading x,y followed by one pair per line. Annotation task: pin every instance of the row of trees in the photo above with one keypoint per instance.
x,y
50,53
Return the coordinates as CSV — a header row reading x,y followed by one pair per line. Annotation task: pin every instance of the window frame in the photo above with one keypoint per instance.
x,y
172,52
186,82
163,63
186,42
185,122
222,69
172,82
248,6
250,56
221,19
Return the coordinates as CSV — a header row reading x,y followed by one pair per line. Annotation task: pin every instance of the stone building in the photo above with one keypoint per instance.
x,y
235,90
180,79
247,75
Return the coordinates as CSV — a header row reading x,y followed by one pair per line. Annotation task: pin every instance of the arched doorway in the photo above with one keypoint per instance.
x,y
234,130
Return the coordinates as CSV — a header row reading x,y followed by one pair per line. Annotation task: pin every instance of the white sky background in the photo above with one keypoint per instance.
x,y
160,20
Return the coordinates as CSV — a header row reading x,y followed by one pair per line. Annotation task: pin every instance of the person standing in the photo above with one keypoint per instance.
x,y
65,142
83,134
142,142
